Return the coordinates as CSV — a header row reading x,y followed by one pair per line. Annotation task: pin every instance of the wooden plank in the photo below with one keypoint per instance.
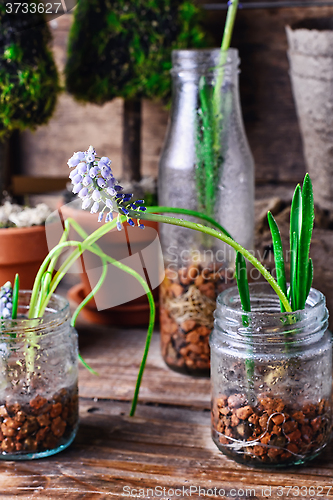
x,y
116,355
160,447
23,184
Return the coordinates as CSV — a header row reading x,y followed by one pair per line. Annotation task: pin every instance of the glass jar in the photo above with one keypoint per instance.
x,y
271,379
198,268
38,382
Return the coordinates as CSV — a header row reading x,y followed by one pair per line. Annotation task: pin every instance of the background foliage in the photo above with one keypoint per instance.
x,y
28,75
122,48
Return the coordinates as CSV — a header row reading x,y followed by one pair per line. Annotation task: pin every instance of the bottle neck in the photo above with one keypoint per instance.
x,y
217,72
191,65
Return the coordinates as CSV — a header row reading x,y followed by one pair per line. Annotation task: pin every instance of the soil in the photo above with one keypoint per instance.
x,y
188,301
272,432
40,425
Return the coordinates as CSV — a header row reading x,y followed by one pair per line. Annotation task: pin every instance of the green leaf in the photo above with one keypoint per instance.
x,y
244,293
293,274
309,278
295,229
242,283
16,289
278,256
305,240
113,21
296,212
208,159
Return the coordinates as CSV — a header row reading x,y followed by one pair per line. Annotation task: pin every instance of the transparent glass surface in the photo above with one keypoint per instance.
x,y
271,376
197,267
38,382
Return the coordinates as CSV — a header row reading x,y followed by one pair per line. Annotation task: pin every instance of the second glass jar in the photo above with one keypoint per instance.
x,y
271,379
198,268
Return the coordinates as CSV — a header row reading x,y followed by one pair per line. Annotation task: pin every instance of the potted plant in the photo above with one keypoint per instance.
x,y
23,241
272,359
28,76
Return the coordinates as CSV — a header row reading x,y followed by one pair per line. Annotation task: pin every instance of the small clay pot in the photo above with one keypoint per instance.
x,y
132,314
22,250
121,300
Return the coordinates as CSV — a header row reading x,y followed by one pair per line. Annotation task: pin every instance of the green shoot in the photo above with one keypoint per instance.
x,y
244,294
16,290
278,255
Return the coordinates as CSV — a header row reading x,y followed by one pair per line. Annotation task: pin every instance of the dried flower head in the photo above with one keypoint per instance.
x,y
94,183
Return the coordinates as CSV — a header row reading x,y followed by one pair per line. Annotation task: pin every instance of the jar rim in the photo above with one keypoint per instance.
x,y
226,300
266,322
57,312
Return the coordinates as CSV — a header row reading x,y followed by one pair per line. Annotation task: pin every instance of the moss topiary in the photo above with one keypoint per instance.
x,y
122,48
28,76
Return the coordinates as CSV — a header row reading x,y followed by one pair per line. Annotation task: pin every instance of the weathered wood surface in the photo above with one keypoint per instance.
x,y
166,445
116,355
160,447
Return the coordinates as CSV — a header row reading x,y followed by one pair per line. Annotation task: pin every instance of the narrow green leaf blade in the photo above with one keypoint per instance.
x,y
242,283
244,293
305,240
310,278
295,229
207,149
16,289
293,273
296,213
278,256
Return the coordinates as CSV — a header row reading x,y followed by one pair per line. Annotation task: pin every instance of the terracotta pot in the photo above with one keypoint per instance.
x,y
132,314
121,300
22,250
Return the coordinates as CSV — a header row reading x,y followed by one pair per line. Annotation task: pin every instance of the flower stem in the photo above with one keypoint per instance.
x,y
236,246
229,25
191,213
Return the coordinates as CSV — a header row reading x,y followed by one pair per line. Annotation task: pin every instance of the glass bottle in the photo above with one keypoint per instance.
x,y
38,382
198,268
271,379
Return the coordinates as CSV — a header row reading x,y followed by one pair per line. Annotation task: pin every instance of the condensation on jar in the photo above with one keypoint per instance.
x,y
271,376
197,267
38,382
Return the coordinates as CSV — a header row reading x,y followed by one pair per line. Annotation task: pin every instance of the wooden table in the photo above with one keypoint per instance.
x,y
166,445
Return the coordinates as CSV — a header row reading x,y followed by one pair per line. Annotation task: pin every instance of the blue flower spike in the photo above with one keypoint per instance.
x,y
6,301
94,183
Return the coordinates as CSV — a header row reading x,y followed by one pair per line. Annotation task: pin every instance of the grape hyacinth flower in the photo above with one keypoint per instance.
x,y
94,183
6,300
